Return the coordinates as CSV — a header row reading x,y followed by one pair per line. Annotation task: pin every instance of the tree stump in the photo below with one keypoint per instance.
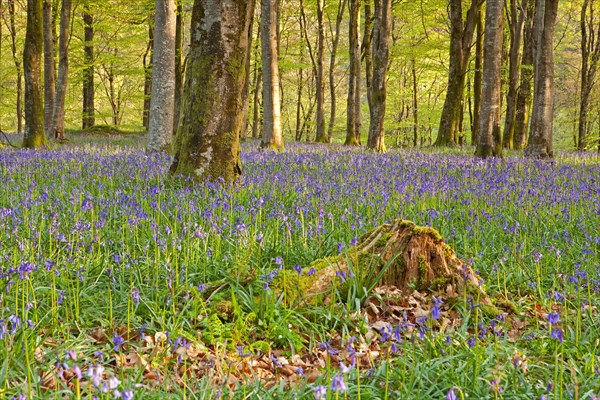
x,y
399,254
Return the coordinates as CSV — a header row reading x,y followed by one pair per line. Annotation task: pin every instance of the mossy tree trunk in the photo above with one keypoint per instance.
x,y
58,110
401,254
321,132
34,137
353,115
89,118
207,145
49,80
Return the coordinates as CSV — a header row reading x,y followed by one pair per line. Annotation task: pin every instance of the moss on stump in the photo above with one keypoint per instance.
x,y
399,254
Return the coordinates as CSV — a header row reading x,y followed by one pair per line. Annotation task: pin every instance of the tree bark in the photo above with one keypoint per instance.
x,y
148,73
246,99
17,61
34,137
334,47
353,119
207,146
540,137
524,94
89,90
381,46
489,140
477,78
415,103
367,53
58,111
590,53
49,79
461,37
321,136
178,64
162,100
256,107
517,20
272,134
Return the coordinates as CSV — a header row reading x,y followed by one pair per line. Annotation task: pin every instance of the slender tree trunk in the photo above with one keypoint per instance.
x,y
334,47
524,94
49,81
461,37
162,100
178,64
298,133
207,145
367,52
34,137
58,112
517,20
415,104
381,46
148,56
1,20
353,120
17,61
590,53
321,136
477,78
89,89
272,134
540,137
489,140
256,108
246,99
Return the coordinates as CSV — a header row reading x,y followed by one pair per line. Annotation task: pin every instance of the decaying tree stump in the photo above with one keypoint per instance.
x,y
399,254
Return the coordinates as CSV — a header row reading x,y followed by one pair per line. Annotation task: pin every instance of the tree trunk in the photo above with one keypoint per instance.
x,y
321,136
58,112
334,47
49,81
381,42
353,120
367,52
272,134
256,109
13,45
34,137
89,90
148,73
461,37
207,145
246,99
524,94
415,104
477,78
590,53
517,19
540,137
162,100
298,131
178,64
489,140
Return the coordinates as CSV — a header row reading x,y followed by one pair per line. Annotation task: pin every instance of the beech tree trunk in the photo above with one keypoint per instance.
x,y
524,94
590,54
517,20
246,99
353,119
178,64
477,78
367,53
34,137
58,112
321,136
489,140
49,78
162,100
147,60
461,37
89,90
272,134
334,47
17,61
207,145
381,42
540,137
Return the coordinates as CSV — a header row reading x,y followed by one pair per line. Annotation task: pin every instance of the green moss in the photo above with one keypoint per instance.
x,y
427,230
440,283
489,310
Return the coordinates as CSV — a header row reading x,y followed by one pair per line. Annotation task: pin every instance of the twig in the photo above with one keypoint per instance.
x,y
8,140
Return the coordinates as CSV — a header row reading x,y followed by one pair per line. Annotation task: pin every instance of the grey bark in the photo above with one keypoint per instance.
x,y
89,90
34,136
353,119
207,145
178,64
321,136
162,99
380,51
517,20
147,60
489,140
540,136
477,78
524,95
49,72
58,111
461,37
272,134
17,61
334,47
